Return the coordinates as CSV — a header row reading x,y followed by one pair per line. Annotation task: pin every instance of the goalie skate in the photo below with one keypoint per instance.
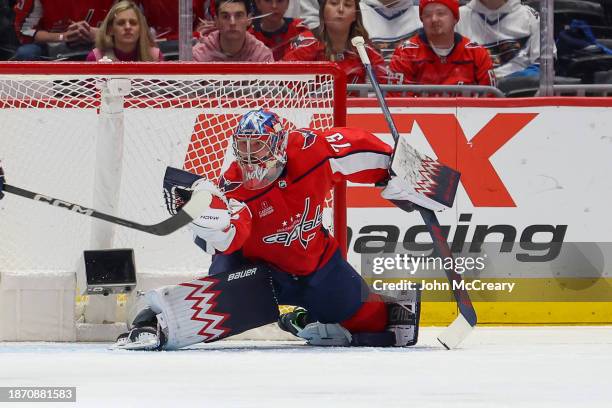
x,y
326,335
298,323
140,338
294,321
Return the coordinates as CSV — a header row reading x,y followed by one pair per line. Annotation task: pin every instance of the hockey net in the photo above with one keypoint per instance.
x,y
101,135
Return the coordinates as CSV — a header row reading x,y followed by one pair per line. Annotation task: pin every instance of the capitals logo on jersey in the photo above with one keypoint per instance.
x,y
226,186
299,229
302,41
409,44
309,138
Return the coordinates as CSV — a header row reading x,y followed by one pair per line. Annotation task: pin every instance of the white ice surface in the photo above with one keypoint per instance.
x,y
496,367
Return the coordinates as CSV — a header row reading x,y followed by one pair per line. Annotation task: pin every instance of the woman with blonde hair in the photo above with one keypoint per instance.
x,y
340,21
124,36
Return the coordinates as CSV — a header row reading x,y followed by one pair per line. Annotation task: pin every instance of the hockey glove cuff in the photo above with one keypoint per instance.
x,y
214,227
405,196
208,186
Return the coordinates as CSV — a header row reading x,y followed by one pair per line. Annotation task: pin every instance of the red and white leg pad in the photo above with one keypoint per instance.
x,y
211,308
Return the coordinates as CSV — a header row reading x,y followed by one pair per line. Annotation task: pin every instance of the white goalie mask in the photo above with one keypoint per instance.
x,y
260,148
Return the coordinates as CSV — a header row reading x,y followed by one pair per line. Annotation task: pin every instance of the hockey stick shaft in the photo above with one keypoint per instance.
x,y
196,206
429,217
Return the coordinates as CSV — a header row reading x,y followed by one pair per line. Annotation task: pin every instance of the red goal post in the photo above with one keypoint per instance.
x,y
101,135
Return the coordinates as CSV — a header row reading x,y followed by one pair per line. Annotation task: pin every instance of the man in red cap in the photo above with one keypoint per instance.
x,y
436,55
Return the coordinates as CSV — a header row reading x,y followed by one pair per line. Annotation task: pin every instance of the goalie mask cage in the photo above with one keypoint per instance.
x,y
101,135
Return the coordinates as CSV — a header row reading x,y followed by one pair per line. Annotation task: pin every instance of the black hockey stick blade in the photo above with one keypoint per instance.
x,y
194,208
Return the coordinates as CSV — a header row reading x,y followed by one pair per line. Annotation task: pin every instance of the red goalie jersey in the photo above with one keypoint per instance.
x,y
283,223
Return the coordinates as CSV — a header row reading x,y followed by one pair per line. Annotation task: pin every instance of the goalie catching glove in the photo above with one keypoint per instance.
x,y
214,227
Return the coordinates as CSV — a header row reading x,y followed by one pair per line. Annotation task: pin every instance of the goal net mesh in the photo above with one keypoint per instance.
x,y
104,141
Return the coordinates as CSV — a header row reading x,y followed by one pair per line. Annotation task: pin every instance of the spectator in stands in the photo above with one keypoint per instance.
x,y
231,41
437,55
209,8
389,22
275,30
8,39
67,25
206,25
509,30
163,17
124,36
340,21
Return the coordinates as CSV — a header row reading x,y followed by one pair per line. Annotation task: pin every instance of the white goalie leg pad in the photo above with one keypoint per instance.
x,y
325,334
175,316
404,312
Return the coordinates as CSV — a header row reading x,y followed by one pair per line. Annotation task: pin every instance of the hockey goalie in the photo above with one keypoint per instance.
x,y
264,229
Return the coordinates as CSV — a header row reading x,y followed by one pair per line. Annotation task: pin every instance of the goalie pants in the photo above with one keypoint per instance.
x,y
334,293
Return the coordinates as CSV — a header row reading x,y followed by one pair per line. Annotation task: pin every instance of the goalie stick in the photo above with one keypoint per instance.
x,y
465,322
194,208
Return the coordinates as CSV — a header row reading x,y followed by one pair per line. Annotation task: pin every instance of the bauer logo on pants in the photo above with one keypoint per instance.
x,y
241,274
